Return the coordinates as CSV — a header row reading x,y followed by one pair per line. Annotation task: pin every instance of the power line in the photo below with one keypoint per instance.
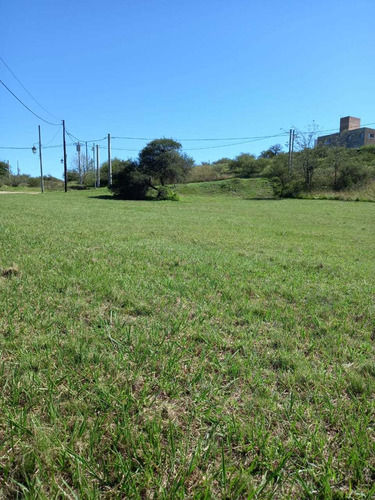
x,y
44,109
23,104
205,139
233,144
53,138
250,140
73,137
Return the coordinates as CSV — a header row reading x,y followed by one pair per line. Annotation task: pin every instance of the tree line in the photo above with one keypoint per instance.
x,y
162,163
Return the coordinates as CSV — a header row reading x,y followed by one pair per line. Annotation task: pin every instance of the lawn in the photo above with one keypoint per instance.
x,y
214,347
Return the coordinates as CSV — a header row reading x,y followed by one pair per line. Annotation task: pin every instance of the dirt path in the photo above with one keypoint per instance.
x,y
18,192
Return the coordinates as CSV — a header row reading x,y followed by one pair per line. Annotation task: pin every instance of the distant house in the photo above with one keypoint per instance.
x,y
351,134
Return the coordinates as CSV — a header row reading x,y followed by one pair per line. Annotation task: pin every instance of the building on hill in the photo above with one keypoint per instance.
x,y
351,134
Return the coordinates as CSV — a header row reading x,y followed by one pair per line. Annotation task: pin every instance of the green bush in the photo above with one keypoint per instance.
x,y
130,183
166,193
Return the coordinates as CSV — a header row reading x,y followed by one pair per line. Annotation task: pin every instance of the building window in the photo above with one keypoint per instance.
x,y
371,136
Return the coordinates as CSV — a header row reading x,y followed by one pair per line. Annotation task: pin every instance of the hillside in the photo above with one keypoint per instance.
x,y
242,188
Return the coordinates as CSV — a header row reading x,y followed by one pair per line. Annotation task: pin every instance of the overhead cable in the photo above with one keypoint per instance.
x,y
23,104
32,97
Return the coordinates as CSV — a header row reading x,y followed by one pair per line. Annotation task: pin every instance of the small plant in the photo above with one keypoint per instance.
x,y
166,193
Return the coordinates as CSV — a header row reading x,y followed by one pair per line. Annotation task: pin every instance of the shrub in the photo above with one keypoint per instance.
x,y
207,173
166,193
131,183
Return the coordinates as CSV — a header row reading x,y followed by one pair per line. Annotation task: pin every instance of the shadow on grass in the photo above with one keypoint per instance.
x,y
114,198
105,197
264,199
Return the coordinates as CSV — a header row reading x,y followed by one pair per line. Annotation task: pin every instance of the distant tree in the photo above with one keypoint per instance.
x,y
244,165
163,161
4,169
307,156
73,176
84,169
271,152
221,161
116,164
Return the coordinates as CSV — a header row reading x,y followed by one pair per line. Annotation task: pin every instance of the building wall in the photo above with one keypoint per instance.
x,y
349,123
369,136
350,139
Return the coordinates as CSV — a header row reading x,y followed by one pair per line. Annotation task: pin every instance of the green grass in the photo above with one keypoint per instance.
x,y
364,192
242,188
212,348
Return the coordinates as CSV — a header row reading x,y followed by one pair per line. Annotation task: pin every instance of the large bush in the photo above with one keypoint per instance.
x,y
130,182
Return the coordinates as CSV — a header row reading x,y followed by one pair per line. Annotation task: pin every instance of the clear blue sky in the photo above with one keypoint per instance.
x,y
181,69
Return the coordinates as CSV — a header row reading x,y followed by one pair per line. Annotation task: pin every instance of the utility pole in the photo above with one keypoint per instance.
x,y
290,151
87,159
291,162
79,163
65,166
93,162
291,148
41,162
109,162
97,167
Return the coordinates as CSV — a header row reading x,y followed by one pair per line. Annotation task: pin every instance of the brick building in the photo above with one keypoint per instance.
x,y
351,134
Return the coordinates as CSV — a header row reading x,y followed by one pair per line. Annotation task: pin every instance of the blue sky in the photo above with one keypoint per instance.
x,y
182,69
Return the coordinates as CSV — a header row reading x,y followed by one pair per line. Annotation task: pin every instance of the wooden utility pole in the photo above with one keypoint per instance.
x,y
97,167
87,159
79,163
109,162
65,166
291,148
41,162
93,162
293,135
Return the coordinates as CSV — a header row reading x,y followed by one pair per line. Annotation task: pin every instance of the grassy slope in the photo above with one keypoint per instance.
x,y
365,192
207,348
242,188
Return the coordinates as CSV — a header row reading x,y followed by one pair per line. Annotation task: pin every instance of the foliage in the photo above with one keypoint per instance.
x,y
82,171
163,161
73,176
272,151
116,164
244,165
130,182
166,193
208,172
247,189
4,169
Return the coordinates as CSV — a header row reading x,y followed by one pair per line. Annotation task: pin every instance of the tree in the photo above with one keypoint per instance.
x,y
307,157
244,165
163,161
4,169
84,169
271,152
116,165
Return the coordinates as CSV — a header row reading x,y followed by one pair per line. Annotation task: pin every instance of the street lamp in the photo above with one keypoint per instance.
x,y
33,149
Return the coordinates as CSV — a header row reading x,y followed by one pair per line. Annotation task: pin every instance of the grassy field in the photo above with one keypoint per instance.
x,y
211,348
